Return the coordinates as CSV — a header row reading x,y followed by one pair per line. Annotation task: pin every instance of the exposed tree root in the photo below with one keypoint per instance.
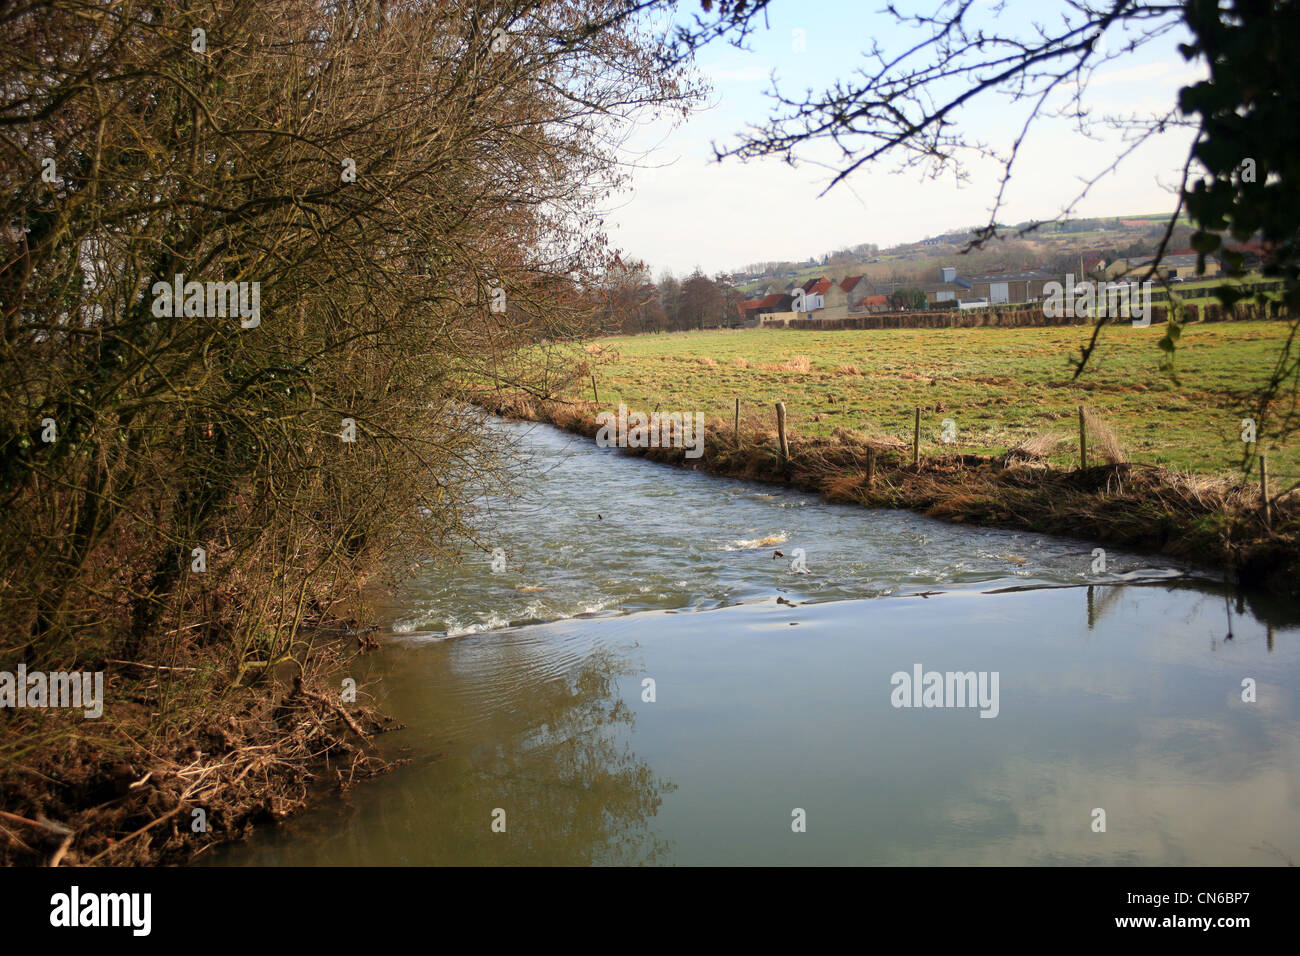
x,y
119,791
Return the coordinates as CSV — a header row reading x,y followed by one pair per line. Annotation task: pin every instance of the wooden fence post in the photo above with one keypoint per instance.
x,y
594,390
780,433
916,440
735,428
1083,440
1263,491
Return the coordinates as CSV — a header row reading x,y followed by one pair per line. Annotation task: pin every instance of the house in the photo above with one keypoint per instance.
x,y
1093,264
813,297
835,301
856,289
824,299
1114,269
751,310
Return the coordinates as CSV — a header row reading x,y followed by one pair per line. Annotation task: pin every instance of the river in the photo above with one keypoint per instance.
x,y
623,683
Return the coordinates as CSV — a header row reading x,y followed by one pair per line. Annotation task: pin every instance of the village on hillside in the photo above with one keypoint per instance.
x,y
829,298
858,285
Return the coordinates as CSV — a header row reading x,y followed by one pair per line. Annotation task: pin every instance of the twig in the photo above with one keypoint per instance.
x,y
63,848
347,718
152,667
14,838
42,824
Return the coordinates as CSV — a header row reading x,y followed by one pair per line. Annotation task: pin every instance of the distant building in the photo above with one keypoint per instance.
x,y
856,288
814,294
1000,288
950,287
1180,266
1093,264
751,310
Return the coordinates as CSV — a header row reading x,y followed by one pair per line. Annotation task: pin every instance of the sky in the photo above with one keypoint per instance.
x,y
685,210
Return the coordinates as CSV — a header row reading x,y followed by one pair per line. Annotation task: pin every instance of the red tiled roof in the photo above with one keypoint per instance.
x,y
848,284
767,302
817,286
876,300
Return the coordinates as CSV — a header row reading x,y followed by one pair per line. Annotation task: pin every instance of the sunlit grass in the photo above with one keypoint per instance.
x,y
999,386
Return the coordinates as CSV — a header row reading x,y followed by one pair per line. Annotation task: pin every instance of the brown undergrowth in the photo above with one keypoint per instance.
x,y
187,756
1204,521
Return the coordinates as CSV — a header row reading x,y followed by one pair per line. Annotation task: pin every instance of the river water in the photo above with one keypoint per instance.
x,y
622,683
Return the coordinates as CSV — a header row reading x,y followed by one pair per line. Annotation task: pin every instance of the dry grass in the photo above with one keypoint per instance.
x,y
1102,442
799,364
1039,447
843,487
849,436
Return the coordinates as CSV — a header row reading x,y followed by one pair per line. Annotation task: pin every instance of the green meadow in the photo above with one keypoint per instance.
x,y
999,386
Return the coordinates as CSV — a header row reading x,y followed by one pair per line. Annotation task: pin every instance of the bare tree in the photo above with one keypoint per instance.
x,y
368,210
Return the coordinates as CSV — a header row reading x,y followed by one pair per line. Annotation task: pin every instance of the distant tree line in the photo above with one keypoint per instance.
x,y
630,302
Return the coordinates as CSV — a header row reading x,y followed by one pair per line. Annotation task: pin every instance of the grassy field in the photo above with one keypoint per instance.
x,y
999,386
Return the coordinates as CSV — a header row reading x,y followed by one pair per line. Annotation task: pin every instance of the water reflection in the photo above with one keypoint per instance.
x,y
1128,699
1100,600
505,725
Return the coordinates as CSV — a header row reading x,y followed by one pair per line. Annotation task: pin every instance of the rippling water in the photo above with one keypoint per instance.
x,y
526,700
591,530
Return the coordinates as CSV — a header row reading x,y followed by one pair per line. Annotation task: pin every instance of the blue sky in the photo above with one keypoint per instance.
x,y
694,211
